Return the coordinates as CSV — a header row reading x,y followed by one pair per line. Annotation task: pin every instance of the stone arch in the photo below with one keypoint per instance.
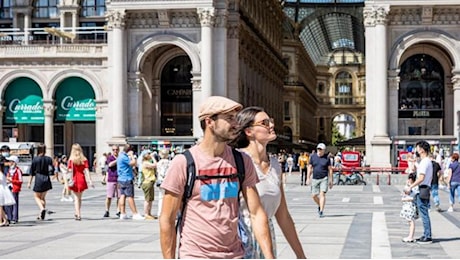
x,y
84,74
434,37
12,75
150,43
163,60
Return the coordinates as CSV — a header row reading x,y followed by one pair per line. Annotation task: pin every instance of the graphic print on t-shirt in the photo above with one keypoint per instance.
x,y
219,188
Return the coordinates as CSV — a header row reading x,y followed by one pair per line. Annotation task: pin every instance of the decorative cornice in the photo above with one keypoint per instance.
x,y
221,18
207,16
116,19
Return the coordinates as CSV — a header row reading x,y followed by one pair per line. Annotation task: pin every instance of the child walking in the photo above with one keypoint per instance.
x,y
409,209
14,180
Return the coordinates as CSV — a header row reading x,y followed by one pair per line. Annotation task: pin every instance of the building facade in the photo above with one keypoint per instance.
x,y
102,72
412,76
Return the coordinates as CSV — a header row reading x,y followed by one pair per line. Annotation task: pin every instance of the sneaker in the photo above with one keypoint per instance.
x,y
107,214
321,215
69,199
408,240
451,209
63,199
424,240
118,214
319,209
138,217
123,216
438,208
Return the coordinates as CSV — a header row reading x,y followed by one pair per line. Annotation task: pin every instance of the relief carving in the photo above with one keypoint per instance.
x,y
207,16
116,19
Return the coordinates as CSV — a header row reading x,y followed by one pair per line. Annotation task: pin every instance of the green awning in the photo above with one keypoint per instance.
x,y
24,102
75,100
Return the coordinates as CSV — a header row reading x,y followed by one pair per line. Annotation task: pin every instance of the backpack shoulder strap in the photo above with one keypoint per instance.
x,y
239,167
189,183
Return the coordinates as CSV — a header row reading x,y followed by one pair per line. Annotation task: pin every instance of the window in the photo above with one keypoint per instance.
x,y
93,8
91,34
5,9
287,111
46,9
320,87
344,89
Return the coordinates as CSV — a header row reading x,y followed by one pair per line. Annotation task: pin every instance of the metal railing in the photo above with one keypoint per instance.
x,y
53,36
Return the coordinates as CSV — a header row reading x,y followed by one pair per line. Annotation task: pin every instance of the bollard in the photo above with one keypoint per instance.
x,y
389,178
377,182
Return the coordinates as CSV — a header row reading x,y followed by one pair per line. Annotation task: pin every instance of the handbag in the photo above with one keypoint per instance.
x,y
424,192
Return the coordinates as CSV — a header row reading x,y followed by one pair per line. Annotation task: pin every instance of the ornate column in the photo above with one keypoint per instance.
x,y
207,19
2,110
116,22
156,99
393,86
101,128
49,108
456,90
135,93
220,64
233,68
197,99
377,140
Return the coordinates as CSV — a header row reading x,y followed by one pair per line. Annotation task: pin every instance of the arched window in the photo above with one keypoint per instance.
x,y
46,8
5,9
92,8
344,89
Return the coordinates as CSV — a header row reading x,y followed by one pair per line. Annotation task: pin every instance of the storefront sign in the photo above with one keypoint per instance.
x,y
24,102
75,101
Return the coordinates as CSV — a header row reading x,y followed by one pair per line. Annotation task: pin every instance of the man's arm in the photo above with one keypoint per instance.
x,y
168,236
330,176
259,221
309,173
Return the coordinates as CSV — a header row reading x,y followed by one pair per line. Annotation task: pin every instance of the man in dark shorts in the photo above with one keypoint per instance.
x,y
321,169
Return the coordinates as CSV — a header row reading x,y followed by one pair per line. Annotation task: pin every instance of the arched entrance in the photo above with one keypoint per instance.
x,y
421,96
176,98
345,125
75,116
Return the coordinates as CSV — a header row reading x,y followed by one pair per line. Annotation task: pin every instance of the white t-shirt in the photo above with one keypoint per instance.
x,y
102,162
425,167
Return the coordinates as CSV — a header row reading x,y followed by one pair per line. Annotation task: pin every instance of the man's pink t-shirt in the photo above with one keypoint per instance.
x,y
210,222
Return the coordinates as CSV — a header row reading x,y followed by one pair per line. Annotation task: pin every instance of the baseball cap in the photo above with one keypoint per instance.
x,y
217,105
321,146
13,158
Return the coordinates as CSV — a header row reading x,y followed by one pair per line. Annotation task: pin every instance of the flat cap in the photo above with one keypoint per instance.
x,y
217,105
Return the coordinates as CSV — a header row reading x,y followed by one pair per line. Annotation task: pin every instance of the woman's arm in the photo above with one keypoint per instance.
x,y
287,226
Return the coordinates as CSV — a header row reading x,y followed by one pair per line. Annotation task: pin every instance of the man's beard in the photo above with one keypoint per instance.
x,y
224,137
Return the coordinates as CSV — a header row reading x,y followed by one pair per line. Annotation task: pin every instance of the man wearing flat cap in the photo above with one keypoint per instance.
x,y
210,221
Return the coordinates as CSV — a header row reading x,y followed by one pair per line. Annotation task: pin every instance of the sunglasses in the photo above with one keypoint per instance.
x,y
265,123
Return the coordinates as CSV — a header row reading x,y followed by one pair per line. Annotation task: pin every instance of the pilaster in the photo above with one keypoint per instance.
x,y
197,99
49,108
207,19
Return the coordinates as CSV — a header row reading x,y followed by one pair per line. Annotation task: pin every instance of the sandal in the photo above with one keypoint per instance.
x,y
408,240
77,217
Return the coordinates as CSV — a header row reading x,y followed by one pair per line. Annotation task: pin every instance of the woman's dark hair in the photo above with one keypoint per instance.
x,y
245,119
41,149
412,176
455,156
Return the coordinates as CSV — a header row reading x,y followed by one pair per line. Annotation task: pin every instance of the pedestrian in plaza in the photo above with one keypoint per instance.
x,y
67,178
256,130
209,222
56,169
149,166
125,163
423,181
303,165
14,180
162,167
78,165
320,176
435,182
113,191
40,170
289,163
102,163
409,208
453,181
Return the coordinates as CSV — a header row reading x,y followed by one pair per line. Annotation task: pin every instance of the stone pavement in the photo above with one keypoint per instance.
x,y
360,222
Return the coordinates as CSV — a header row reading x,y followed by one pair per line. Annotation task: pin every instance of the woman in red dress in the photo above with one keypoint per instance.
x,y
78,168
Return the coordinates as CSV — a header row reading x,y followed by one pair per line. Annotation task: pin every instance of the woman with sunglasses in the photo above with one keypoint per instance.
x,y
256,130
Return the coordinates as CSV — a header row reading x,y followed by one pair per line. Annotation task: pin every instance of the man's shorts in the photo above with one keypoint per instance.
x,y
126,188
112,190
318,185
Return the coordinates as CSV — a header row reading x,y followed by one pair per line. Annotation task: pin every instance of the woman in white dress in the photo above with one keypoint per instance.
x,y
256,131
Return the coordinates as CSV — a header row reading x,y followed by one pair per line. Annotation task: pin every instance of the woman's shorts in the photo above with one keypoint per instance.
x,y
149,192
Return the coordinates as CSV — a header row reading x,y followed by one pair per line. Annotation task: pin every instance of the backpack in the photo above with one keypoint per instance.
x,y
191,177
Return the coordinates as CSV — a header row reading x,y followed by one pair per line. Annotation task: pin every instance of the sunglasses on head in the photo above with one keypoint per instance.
x,y
265,123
